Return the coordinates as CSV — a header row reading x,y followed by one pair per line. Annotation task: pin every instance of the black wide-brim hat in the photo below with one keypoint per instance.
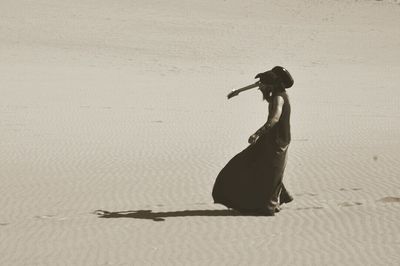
x,y
277,72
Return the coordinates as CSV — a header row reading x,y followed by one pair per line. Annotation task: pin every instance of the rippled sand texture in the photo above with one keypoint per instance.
x,y
114,124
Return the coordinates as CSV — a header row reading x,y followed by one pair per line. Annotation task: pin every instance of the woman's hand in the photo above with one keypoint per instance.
x,y
253,138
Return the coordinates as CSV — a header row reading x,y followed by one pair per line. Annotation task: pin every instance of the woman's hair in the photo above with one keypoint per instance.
x,y
266,96
270,78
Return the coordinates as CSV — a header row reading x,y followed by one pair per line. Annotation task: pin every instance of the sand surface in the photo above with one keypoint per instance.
x,y
118,109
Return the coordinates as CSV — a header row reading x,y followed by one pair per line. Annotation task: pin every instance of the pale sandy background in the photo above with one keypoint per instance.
x,y
120,105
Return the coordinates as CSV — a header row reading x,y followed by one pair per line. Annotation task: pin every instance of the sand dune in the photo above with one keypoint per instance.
x,y
114,124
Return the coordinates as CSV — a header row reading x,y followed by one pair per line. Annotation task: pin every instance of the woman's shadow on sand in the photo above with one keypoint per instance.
x,y
160,216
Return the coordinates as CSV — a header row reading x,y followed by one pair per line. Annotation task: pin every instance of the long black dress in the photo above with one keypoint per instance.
x,y
252,180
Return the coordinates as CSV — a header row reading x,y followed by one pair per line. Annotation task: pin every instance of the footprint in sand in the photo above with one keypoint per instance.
x,y
347,189
309,208
4,224
349,204
50,217
390,200
306,194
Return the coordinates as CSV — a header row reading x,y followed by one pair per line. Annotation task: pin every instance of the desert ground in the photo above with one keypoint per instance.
x,y
114,124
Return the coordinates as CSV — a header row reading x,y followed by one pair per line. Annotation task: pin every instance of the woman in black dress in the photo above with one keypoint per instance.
x,y
251,182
